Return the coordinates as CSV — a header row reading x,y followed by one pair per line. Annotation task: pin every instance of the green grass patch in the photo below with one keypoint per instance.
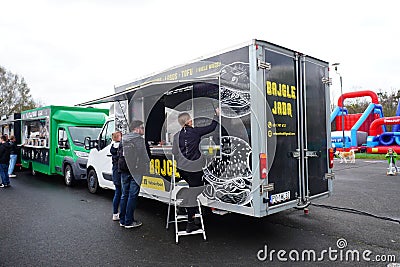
x,y
370,156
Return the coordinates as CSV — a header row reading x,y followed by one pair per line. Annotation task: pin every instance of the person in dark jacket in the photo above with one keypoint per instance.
x,y
13,156
4,161
190,162
133,163
116,176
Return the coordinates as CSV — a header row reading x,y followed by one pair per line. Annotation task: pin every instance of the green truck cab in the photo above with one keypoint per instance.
x,y
53,139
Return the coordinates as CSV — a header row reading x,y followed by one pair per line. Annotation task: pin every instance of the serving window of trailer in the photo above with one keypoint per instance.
x,y
160,110
36,132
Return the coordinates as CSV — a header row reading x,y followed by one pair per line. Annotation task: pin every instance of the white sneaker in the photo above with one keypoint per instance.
x,y
134,224
12,175
116,217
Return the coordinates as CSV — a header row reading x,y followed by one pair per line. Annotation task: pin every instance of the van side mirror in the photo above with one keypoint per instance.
x,y
89,143
63,144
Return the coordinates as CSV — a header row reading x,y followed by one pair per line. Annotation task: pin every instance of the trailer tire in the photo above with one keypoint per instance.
x,y
68,175
93,182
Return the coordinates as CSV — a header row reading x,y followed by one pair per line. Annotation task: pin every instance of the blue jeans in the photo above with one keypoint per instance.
x,y
118,190
13,160
130,192
4,173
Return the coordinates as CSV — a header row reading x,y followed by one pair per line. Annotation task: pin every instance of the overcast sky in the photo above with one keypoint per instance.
x,y
72,51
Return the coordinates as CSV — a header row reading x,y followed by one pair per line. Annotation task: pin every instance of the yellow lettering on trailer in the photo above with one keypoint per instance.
x,y
163,171
282,109
151,167
214,65
163,168
281,90
293,91
157,166
172,77
202,68
186,73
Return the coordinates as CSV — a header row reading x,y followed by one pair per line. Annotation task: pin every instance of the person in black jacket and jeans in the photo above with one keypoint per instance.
x,y
190,162
133,163
116,175
4,161
13,156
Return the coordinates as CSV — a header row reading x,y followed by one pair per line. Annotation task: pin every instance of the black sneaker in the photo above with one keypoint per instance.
x,y
197,221
1,185
6,185
191,226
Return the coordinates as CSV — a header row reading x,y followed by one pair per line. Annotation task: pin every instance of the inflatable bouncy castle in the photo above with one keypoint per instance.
x,y
378,142
365,130
356,126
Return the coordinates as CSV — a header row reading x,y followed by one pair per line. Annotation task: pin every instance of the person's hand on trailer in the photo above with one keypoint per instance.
x,y
217,111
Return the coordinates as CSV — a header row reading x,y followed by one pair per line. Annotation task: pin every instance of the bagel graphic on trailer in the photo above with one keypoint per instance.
x,y
235,90
229,177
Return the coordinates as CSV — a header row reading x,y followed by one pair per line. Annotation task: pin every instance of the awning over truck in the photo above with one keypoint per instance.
x,y
150,87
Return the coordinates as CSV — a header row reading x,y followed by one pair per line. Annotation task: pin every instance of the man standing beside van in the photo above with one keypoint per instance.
x,y
4,161
133,162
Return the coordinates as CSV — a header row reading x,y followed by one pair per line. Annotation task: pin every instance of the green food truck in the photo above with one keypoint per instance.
x,y
53,137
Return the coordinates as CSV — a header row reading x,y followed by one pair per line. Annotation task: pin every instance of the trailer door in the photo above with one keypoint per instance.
x,y
314,73
297,142
282,125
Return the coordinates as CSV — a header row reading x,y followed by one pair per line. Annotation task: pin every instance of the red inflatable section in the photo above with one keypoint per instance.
x,y
375,125
369,93
382,149
351,119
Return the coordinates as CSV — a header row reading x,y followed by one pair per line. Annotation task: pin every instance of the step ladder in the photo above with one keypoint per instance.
x,y
187,197
182,196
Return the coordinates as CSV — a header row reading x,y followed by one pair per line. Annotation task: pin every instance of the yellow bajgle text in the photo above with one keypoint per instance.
x,y
285,91
281,90
162,167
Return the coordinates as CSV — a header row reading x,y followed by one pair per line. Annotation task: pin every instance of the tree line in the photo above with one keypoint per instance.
x,y
15,95
388,100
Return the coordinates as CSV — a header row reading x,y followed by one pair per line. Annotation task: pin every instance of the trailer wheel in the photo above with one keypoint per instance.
x,y
93,182
68,175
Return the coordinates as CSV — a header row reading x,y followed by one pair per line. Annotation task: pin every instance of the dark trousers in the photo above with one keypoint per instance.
x,y
194,179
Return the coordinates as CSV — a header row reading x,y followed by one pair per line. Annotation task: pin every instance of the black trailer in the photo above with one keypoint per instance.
x,y
271,149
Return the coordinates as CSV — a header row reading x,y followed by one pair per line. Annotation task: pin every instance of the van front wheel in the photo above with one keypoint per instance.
x,y
68,175
93,182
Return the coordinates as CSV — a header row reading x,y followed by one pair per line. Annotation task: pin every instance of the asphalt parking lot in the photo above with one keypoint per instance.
x,y
44,223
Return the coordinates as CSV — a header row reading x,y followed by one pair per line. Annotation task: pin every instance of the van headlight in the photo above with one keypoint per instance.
x,y
81,154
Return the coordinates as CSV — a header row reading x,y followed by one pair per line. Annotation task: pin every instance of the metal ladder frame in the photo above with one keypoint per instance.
x,y
181,218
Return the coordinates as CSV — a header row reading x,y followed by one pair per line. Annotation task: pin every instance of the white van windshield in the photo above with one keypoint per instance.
x,y
78,134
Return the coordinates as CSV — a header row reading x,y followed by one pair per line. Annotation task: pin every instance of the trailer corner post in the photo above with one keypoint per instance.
x,y
258,120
